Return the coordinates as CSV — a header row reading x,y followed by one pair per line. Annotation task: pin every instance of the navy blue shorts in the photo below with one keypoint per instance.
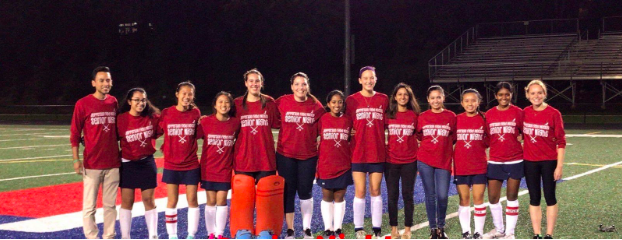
x,y
368,167
215,186
470,179
190,177
139,174
340,182
504,171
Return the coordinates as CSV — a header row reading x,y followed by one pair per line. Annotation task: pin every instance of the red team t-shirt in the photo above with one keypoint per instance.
x,y
254,148
96,119
402,146
436,131
367,114
180,144
544,133
298,134
217,154
471,144
504,127
137,135
334,158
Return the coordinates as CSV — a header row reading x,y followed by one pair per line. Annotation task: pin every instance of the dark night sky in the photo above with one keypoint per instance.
x,y
48,48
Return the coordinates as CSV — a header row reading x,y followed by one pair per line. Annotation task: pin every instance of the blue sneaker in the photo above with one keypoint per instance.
x,y
243,234
172,237
190,237
264,235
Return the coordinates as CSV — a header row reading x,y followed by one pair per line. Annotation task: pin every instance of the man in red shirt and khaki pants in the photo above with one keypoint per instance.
x,y
95,117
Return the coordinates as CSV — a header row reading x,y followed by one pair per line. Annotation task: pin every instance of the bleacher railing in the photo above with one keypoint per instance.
x,y
527,28
451,51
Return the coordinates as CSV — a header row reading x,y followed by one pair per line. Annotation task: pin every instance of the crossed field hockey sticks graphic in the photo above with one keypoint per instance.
x,y
182,139
106,129
143,143
220,149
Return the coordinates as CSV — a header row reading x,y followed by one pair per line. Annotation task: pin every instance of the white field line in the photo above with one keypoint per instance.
x,y
30,158
22,139
16,129
20,134
595,135
455,214
36,146
38,176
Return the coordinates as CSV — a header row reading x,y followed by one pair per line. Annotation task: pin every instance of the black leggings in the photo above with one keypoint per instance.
x,y
408,174
299,176
541,171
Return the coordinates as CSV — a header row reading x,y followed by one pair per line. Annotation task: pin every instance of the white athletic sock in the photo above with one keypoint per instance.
x,y
340,211
210,219
222,214
496,210
358,206
306,210
171,222
328,211
480,218
376,211
464,214
193,220
511,216
125,222
151,220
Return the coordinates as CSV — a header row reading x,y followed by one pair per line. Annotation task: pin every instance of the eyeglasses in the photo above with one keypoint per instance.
x,y
144,100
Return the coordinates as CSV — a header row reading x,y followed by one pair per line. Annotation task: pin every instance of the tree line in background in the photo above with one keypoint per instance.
x,y
48,48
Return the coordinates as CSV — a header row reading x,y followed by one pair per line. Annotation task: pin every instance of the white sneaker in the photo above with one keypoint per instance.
x,y
361,234
509,236
494,234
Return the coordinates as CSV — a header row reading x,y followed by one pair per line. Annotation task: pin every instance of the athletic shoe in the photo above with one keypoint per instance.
x,y
407,235
377,233
494,234
154,237
290,234
548,236
211,236
190,237
477,236
328,233
509,236
442,234
433,233
264,235
308,234
537,236
220,237
466,235
172,237
339,234
361,234
395,236
243,234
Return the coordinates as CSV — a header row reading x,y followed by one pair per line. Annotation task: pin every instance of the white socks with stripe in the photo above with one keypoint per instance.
x,y
306,210
511,216
376,211
480,218
328,210
210,219
464,214
496,210
171,222
222,213
151,219
340,211
125,222
358,206
193,220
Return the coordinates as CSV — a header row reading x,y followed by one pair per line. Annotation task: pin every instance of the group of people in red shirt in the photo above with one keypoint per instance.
x,y
352,150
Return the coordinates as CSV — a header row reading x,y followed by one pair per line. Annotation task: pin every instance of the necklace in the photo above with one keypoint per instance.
x,y
365,98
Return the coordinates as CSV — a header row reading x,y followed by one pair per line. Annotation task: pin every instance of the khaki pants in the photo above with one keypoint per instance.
x,y
109,179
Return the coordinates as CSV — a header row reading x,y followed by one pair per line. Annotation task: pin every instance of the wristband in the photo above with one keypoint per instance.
x,y
76,160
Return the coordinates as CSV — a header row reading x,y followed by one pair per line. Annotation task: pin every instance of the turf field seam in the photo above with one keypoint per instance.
x,y
455,214
37,176
35,146
30,158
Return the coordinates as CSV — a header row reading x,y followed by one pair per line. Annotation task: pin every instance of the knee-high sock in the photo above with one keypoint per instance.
x,y
358,207
511,216
327,209
376,211
210,219
171,222
340,211
496,210
151,220
480,218
464,214
193,220
222,214
306,210
125,222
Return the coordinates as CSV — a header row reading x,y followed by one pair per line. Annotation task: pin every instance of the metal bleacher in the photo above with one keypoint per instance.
x,y
551,50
